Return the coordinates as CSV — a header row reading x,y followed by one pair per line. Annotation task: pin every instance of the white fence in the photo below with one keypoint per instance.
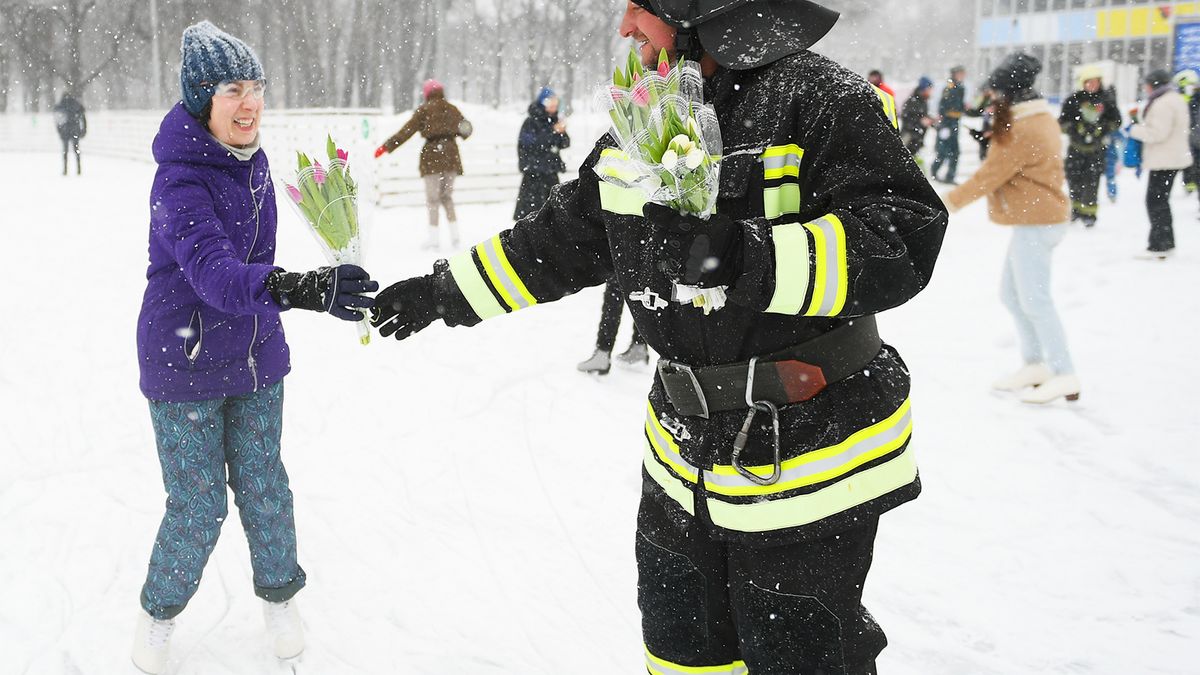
x,y
489,156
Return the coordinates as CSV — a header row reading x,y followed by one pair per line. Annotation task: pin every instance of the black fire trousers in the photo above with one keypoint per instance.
x,y
1084,170
610,319
1158,208
786,610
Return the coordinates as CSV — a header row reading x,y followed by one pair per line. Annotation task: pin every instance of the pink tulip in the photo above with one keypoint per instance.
x,y
343,155
318,173
641,94
294,193
664,68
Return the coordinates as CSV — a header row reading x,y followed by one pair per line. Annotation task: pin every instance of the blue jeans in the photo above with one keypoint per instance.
x,y
1025,291
197,441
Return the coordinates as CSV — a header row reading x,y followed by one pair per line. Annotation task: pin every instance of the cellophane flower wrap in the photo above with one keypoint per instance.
x,y
669,145
326,198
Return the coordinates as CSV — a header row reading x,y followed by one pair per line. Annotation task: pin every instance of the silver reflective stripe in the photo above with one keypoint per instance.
x,y
780,161
667,449
802,473
488,249
830,261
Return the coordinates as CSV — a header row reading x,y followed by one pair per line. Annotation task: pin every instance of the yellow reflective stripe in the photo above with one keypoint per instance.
x,y
777,514
510,283
473,287
781,200
821,465
673,487
621,200
889,106
782,160
829,270
785,170
661,666
666,448
781,150
791,268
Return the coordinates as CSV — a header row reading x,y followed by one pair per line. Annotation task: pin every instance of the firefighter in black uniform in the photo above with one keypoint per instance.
x,y
1088,118
778,427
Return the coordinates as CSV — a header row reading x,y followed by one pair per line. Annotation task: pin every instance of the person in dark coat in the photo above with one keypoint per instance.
x,y
951,109
752,548
440,122
915,119
1088,118
71,120
542,136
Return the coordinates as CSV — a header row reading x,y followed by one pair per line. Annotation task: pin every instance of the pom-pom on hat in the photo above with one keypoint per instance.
x,y
429,87
211,56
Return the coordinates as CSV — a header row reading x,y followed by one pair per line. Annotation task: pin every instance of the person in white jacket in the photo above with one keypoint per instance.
x,y
1163,132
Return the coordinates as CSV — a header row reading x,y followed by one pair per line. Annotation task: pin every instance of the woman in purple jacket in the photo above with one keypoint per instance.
x,y
211,349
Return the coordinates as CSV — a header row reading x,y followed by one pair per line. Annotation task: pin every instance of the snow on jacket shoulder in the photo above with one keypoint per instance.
x,y
1022,176
1164,133
208,325
837,222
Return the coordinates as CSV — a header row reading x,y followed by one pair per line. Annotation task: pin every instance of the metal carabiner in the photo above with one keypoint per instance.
x,y
739,444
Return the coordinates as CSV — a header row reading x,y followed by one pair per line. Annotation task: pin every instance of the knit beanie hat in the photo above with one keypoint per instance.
x,y
924,83
1158,78
429,87
211,56
544,94
1015,74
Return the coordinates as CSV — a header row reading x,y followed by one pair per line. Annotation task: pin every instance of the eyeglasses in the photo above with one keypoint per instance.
x,y
240,89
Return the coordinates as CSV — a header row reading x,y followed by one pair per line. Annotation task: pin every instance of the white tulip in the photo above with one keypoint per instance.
x,y
670,159
694,158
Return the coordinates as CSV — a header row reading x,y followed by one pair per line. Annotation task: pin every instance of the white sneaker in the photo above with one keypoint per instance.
x,y
598,364
1155,255
637,353
151,642
1059,386
1031,375
453,233
283,628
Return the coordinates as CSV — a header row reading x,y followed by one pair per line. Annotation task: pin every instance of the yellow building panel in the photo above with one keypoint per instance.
x,y
1139,22
1186,8
1112,23
1160,24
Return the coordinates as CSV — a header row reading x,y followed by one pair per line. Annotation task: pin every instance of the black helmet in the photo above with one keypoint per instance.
x,y
744,34
1016,73
1158,78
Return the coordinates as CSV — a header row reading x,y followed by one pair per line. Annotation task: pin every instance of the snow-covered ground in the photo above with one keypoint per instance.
x,y
465,500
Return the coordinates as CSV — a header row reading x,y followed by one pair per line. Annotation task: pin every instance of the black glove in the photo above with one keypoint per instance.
x,y
328,289
695,252
405,307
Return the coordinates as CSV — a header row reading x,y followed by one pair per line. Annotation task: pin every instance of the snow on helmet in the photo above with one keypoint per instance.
x,y
744,34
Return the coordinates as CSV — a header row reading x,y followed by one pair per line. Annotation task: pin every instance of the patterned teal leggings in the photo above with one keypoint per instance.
x,y
197,440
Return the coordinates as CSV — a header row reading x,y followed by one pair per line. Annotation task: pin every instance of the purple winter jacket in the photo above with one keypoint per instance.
x,y
208,328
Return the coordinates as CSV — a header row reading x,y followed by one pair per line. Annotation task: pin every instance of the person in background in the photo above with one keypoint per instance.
x,y
1022,179
542,136
1114,154
1088,118
1187,81
1166,150
610,321
982,108
440,123
71,122
951,109
211,348
915,120
876,79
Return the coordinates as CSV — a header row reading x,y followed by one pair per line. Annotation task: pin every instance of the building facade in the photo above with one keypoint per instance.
x,y
1066,33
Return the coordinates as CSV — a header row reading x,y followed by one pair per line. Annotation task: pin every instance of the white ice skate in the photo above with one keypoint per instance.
x,y
1155,255
636,354
151,642
1059,386
1031,375
433,241
599,364
283,628
453,224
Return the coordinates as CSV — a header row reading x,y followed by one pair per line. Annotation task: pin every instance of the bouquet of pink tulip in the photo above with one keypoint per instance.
x,y
669,144
327,200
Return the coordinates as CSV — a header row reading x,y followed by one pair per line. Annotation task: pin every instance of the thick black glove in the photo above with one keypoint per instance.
x,y
695,252
405,307
328,289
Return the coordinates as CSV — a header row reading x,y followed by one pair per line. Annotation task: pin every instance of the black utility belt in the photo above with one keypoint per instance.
x,y
790,376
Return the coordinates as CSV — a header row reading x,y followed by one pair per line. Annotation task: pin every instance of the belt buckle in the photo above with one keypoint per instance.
x,y
668,366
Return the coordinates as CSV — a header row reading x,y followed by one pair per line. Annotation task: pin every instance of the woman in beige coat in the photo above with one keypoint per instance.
x,y
1022,179
1166,124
